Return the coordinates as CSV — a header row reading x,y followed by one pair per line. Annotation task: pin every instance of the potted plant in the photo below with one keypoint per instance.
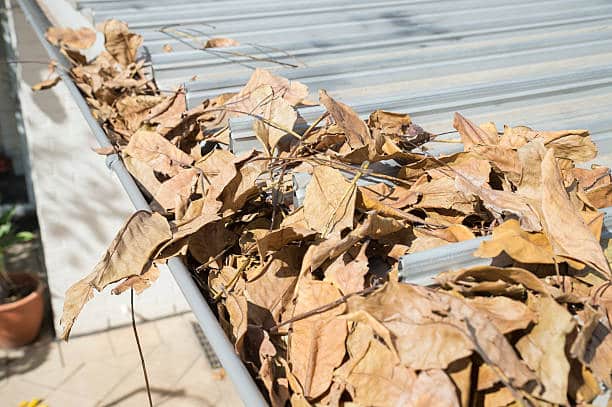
x,y
21,293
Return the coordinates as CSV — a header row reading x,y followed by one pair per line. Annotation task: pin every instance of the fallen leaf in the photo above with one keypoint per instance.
x,y
316,344
348,272
471,134
46,84
167,48
513,275
433,329
377,379
120,42
81,38
355,129
566,230
220,42
507,315
157,152
179,186
74,300
543,349
132,249
524,247
138,283
329,204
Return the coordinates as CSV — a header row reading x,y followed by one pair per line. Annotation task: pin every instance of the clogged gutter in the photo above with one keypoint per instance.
x,y
308,292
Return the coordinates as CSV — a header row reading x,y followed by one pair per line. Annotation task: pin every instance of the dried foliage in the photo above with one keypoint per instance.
x,y
310,295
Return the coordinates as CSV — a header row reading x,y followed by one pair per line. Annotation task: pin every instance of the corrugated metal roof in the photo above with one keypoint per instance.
x,y
546,64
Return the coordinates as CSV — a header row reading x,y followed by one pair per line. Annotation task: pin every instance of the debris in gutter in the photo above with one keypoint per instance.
x,y
308,289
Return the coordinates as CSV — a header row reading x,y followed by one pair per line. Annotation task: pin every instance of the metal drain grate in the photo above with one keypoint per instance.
x,y
210,354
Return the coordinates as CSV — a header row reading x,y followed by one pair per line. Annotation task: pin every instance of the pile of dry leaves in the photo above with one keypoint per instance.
x,y
309,294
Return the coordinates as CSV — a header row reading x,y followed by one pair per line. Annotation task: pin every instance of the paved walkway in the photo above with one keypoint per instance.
x,y
103,370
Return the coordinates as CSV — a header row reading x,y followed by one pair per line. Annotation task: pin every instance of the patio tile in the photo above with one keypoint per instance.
x,y
95,347
94,380
61,398
43,365
132,391
17,391
203,387
123,342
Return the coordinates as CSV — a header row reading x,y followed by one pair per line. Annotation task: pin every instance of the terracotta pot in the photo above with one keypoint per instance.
x,y
20,321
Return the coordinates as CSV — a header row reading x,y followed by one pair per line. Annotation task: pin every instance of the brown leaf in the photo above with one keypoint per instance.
x,y
374,226
428,239
524,247
209,240
433,388
433,329
108,150
574,145
120,42
543,349
317,342
278,238
157,152
138,283
600,197
513,275
355,129
500,202
329,205
293,92
81,38
128,255
220,42
507,315
279,118
347,272
377,379
133,109
178,187
75,298
167,48
274,288
132,249
593,345
471,134
143,174
46,84
569,235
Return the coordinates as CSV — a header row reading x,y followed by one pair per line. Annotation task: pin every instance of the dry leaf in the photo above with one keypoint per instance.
x,y
157,152
67,37
138,283
355,129
75,298
131,250
329,204
220,42
317,342
569,235
120,42
348,272
471,134
46,84
524,247
544,348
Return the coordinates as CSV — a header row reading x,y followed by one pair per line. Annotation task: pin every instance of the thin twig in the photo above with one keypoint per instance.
x,y
142,361
323,308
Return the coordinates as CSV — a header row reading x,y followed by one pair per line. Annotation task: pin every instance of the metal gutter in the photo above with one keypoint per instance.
x,y
236,370
422,267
